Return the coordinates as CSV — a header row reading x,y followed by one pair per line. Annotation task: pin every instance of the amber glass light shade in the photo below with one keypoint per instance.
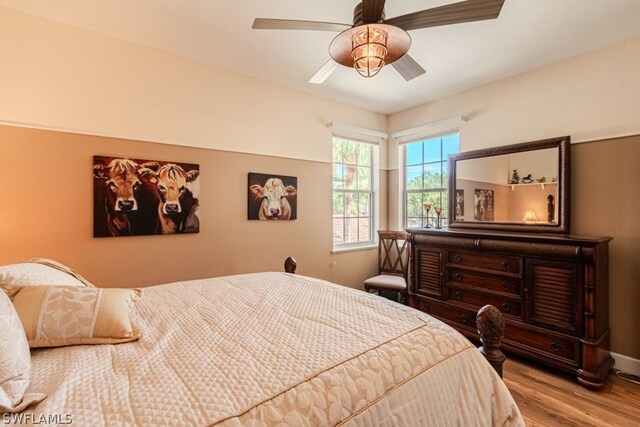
x,y
369,49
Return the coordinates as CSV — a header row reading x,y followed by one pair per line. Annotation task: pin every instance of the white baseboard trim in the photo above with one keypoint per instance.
x,y
626,363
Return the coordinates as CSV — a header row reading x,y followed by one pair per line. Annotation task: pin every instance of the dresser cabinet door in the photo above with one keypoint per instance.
x,y
428,272
554,295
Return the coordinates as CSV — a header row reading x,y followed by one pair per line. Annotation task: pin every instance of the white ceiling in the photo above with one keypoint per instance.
x,y
528,34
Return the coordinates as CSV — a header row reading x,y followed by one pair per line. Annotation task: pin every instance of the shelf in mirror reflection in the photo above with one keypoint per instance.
x,y
541,184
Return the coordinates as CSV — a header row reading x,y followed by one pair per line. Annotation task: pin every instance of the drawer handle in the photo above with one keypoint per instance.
x,y
555,346
506,265
506,285
464,318
459,276
506,306
459,295
458,258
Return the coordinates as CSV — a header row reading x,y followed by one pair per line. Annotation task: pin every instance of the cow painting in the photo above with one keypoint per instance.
x,y
134,197
177,205
272,197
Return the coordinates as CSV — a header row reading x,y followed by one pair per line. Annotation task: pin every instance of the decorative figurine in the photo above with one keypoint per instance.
x,y
551,209
542,180
438,210
527,179
427,207
515,178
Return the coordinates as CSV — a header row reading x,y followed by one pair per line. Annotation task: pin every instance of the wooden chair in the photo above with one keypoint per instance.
x,y
393,263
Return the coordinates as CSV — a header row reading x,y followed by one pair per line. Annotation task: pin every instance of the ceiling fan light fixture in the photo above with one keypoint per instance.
x,y
369,50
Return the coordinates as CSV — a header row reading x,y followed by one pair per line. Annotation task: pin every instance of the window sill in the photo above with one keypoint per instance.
x,y
353,249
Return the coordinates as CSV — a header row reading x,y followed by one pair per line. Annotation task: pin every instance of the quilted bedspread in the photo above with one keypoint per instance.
x,y
271,349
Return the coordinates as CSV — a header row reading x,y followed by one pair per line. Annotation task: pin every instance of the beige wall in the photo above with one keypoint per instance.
x,y
47,211
57,76
590,97
63,77
60,77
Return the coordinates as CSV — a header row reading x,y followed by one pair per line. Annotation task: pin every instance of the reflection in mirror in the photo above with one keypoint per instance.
x,y
509,188
519,187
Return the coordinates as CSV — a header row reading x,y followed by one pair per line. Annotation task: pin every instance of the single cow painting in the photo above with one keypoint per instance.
x,y
272,197
135,197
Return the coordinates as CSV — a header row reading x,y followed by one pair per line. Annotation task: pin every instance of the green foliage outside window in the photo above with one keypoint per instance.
x,y
426,179
352,192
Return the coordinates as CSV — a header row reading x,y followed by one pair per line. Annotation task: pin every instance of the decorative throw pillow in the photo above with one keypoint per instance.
x,y
54,316
15,361
41,271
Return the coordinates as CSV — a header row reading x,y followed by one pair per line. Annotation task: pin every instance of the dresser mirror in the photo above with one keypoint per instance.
x,y
520,187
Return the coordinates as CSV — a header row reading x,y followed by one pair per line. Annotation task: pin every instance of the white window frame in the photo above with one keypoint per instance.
x,y
373,190
403,186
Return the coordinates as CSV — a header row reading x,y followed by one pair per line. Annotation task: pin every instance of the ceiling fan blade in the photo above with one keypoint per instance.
x,y
408,67
372,10
291,24
465,11
324,72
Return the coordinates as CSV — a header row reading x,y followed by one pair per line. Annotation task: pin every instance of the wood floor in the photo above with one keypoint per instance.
x,y
548,398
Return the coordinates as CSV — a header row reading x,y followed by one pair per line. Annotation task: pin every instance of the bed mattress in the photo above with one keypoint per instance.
x,y
270,349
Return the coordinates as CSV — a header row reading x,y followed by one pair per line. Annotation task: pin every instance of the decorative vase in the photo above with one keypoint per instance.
x,y
438,210
427,207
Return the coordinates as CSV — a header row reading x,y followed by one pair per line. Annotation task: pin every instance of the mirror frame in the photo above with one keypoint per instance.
x,y
564,184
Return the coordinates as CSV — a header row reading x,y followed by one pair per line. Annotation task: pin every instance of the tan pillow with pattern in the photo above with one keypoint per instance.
x,y
15,361
54,316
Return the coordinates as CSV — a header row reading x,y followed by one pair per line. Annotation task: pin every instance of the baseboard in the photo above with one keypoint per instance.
x,y
626,363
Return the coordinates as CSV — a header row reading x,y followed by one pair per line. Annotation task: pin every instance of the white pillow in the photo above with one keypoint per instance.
x,y
15,361
40,272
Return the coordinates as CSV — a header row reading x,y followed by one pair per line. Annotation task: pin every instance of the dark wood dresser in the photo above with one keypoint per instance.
x,y
552,290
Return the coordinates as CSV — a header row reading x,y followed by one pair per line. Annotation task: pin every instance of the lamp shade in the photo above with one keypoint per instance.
x,y
530,216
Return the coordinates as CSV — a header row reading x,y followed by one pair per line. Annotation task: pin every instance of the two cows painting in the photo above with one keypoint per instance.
x,y
134,197
141,197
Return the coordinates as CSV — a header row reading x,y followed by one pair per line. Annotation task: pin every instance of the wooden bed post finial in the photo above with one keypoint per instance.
x,y
491,329
290,265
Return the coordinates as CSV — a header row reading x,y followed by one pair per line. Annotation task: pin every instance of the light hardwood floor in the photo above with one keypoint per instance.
x,y
549,398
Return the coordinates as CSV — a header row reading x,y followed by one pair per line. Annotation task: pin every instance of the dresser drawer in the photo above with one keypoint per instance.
x,y
547,343
490,282
489,262
447,312
506,305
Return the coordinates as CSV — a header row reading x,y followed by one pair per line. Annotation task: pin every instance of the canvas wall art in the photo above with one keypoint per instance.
x,y
273,197
483,205
459,203
135,197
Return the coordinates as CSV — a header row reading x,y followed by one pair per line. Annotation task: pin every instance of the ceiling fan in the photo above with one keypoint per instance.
x,y
374,41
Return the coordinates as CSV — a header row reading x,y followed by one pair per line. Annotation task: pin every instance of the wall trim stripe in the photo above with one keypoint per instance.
x,y
144,139
151,141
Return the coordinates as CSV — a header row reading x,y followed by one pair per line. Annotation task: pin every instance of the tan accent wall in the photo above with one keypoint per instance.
x,y
605,201
47,201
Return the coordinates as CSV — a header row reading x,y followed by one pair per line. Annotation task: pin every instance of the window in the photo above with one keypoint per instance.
x,y
353,193
426,179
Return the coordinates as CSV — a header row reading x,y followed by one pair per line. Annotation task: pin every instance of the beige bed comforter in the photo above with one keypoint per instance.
x,y
273,349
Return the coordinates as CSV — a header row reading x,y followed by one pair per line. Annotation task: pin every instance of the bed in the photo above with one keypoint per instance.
x,y
270,349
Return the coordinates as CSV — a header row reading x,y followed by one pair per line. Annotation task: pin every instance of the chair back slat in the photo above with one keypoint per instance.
x,y
393,253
